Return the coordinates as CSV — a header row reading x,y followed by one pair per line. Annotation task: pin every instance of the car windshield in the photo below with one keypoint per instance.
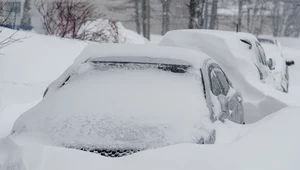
x,y
264,40
174,68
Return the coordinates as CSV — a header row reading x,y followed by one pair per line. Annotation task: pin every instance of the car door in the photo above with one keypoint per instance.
x,y
261,62
223,101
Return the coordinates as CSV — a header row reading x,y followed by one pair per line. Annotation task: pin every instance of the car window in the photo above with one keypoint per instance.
x,y
263,40
215,84
262,55
219,82
223,81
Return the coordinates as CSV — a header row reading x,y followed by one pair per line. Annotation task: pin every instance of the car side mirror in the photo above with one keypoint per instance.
x,y
271,64
290,63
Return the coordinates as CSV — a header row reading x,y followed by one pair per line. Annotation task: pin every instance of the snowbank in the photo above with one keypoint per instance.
x,y
10,113
270,144
27,67
10,155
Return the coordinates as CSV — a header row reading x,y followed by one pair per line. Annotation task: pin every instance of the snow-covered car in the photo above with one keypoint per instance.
x,y
120,99
280,72
242,58
254,50
260,59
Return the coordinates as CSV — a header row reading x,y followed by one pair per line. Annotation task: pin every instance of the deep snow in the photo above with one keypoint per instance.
x,y
267,145
271,143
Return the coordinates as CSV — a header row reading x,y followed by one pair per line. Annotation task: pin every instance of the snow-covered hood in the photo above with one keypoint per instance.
x,y
118,108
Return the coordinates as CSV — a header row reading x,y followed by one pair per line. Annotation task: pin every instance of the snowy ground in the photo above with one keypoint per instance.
x,y
260,146
271,143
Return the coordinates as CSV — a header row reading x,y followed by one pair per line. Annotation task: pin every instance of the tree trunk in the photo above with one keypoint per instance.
x,y
248,20
193,19
214,14
165,16
26,18
137,16
240,14
146,18
201,13
206,15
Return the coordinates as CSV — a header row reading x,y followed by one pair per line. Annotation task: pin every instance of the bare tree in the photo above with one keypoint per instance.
x,y
240,14
26,18
137,15
146,18
8,12
202,16
130,4
214,14
65,18
292,23
10,39
165,16
193,14
205,13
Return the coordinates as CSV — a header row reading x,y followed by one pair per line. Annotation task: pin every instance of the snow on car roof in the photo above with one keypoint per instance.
x,y
142,53
222,46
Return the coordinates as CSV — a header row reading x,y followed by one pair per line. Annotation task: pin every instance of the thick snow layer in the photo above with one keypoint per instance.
x,y
10,113
37,58
10,155
122,108
27,67
269,144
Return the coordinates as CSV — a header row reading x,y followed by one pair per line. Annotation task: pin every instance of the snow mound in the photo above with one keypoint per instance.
x,y
270,144
10,155
10,113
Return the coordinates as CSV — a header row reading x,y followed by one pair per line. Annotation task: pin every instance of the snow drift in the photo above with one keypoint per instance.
x,y
268,144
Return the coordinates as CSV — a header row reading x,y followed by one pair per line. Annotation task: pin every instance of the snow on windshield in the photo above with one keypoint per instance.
x,y
123,107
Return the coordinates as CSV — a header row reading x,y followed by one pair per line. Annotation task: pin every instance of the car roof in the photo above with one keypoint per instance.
x,y
234,56
214,43
141,53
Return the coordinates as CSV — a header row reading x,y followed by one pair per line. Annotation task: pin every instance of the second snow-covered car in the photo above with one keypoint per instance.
x,y
280,73
120,99
243,59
